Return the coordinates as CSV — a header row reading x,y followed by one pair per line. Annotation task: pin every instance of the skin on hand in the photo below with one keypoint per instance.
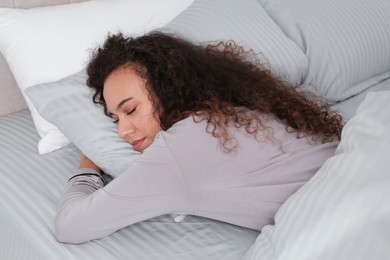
x,y
85,162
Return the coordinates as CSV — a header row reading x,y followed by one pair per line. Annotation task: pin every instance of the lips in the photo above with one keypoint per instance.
x,y
138,143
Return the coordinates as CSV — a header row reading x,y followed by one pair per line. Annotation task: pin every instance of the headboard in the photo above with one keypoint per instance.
x,y
11,99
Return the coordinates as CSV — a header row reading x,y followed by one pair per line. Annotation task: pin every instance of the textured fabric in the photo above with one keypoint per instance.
x,y
48,43
346,42
68,104
29,191
343,211
34,3
347,108
11,100
186,171
247,23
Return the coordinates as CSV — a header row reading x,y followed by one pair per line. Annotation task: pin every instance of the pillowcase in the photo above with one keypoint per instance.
x,y
247,23
67,103
343,211
347,42
347,108
46,44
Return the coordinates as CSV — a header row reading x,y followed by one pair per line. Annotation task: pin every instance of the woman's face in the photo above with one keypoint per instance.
x,y
129,105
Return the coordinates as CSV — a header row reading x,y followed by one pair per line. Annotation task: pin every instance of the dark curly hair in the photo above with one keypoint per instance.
x,y
221,83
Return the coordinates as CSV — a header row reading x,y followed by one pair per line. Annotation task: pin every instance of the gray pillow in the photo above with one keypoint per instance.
x,y
247,23
347,43
68,104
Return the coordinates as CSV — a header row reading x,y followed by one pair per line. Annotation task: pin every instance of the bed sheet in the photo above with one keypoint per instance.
x,y
30,187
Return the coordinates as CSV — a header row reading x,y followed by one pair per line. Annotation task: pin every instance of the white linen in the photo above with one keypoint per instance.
x,y
49,43
348,107
343,211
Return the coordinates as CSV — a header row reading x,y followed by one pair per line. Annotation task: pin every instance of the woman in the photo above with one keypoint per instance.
x,y
220,136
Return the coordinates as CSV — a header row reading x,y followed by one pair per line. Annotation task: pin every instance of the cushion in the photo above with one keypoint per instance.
x,y
46,44
246,23
343,211
67,103
346,42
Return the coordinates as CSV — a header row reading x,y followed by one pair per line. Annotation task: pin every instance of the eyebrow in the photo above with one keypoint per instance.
x,y
123,102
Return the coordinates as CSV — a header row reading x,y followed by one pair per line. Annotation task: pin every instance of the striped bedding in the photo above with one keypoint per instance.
x,y
341,213
30,187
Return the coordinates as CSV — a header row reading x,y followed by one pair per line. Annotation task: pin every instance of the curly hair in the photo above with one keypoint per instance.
x,y
221,83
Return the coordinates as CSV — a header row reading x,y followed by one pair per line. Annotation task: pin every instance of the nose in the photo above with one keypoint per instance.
x,y
125,127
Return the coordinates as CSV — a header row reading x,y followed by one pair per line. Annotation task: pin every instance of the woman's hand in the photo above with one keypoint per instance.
x,y
85,162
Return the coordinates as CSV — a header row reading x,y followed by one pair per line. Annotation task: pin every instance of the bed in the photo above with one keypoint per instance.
x,y
341,213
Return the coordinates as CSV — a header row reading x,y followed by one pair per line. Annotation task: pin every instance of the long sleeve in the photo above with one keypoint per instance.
x,y
151,187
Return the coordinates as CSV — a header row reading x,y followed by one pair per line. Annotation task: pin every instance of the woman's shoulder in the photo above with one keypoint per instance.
x,y
188,124
188,132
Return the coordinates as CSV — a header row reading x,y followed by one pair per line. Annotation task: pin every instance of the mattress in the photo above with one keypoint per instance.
x,y
30,187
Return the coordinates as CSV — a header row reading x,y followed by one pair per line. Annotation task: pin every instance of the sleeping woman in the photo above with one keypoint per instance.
x,y
221,137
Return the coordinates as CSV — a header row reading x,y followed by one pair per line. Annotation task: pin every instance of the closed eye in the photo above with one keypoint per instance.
x,y
117,120
131,111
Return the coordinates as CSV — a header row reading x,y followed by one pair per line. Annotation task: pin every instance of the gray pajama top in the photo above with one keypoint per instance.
x,y
185,171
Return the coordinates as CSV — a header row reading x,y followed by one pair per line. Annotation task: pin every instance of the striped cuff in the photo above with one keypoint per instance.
x,y
86,172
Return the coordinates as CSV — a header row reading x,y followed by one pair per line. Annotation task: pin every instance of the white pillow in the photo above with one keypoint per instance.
x,y
343,212
49,43
347,42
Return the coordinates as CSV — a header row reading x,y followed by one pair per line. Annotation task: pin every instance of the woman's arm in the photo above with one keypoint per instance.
x,y
151,187
85,162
